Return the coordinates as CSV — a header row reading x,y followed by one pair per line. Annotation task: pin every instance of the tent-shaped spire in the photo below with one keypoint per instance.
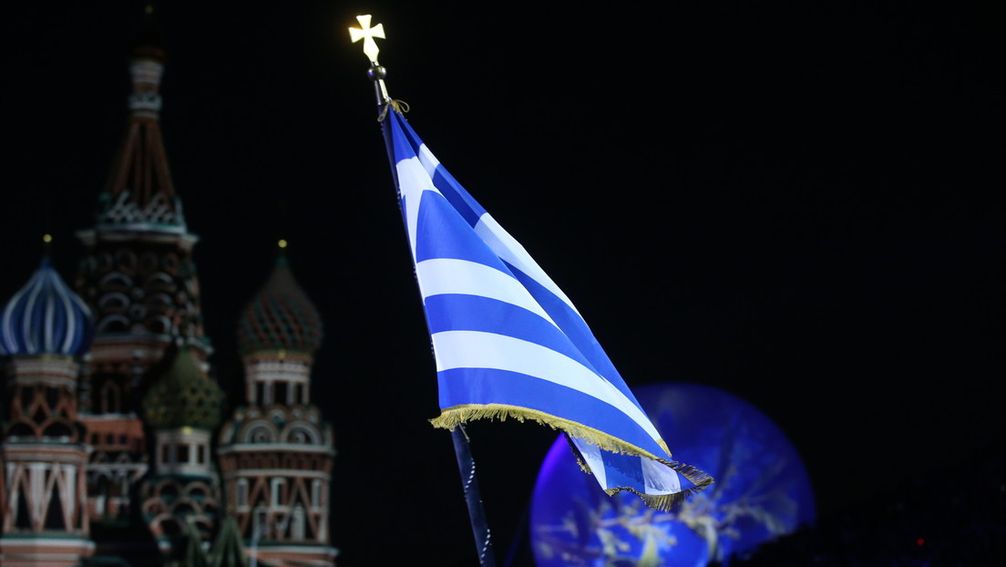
x,y
228,551
280,316
140,195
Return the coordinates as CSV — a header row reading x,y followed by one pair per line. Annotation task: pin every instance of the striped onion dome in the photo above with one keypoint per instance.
x,y
182,395
45,317
280,317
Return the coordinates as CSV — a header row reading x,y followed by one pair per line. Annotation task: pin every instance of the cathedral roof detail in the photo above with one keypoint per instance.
x,y
45,317
140,195
182,395
280,316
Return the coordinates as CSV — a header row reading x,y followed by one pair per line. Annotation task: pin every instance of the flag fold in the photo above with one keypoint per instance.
x,y
509,343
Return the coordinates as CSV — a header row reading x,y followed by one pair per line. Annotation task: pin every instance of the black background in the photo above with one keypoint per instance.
x,y
800,204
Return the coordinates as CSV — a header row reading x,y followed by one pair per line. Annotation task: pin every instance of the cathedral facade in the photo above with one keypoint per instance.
x,y
114,447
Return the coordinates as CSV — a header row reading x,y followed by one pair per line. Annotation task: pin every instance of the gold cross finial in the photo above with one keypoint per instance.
x,y
367,34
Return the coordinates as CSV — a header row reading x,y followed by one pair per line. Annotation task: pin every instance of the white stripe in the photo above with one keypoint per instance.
x,y
412,182
8,331
47,334
660,478
592,457
70,332
429,161
477,349
499,240
449,275
29,344
511,251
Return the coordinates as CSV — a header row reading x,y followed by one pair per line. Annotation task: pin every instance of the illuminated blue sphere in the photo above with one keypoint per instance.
x,y
762,490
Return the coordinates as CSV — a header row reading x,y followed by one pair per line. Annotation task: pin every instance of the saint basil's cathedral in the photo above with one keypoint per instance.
x,y
115,448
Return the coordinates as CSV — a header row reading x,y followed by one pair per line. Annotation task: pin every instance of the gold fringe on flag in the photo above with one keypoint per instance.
x,y
457,415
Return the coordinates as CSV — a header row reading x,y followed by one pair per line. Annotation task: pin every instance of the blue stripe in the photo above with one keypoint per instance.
x,y
576,329
459,386
10,341
442,233
407,131
445,230
465,204
399,143
455,312
623,471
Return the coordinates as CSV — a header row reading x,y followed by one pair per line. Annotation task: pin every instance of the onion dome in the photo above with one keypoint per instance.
x,y
181,395
280,317
45,317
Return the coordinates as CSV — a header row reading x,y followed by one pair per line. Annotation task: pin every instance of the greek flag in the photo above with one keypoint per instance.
x,y
510,344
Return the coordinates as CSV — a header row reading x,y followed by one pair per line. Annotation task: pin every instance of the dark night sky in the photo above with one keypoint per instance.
x,y
800,204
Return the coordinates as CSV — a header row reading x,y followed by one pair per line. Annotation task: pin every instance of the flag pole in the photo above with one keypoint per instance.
x,y
473,497
462,447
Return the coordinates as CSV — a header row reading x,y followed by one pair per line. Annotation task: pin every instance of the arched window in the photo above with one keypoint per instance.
x,y
159,324
116,281
259,434
168,491
113,324
159,282
58,430
302,435
113,302
21,429
111,397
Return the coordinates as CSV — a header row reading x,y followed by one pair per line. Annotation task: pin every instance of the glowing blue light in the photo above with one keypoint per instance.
x,y
762,490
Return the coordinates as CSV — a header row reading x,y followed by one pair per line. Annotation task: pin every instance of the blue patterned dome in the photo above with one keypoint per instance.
x,y
45,317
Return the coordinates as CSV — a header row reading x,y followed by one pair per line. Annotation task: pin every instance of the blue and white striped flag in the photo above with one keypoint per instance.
x,y
509,343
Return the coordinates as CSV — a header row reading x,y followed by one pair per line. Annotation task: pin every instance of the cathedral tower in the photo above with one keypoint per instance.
x,y
44,328
182,407
276,452
139,278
